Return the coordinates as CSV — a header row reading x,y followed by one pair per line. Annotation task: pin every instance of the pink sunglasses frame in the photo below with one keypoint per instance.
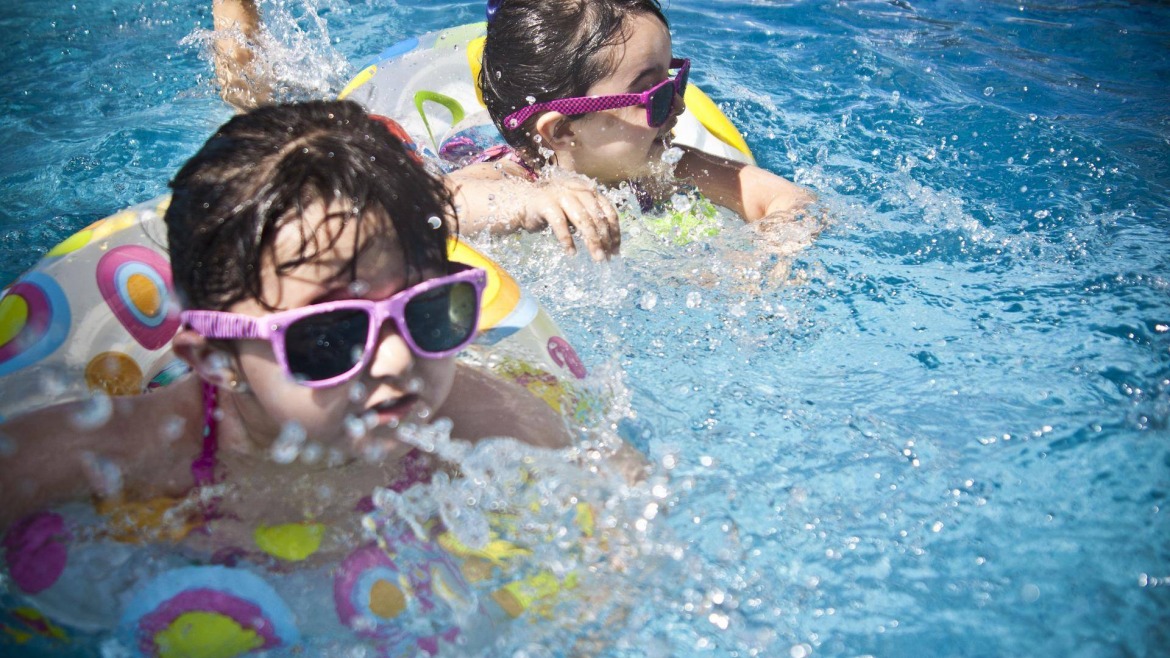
x,y
226,325
588,104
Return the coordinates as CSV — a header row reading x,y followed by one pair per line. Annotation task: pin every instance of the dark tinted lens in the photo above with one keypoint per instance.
x,y
661,104
442,318
680,82
326,345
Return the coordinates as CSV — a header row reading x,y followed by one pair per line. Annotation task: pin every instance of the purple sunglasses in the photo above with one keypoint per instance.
x,y
658,100
323,345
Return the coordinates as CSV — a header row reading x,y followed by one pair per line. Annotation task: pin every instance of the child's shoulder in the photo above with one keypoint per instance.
x,y
139,445
482,405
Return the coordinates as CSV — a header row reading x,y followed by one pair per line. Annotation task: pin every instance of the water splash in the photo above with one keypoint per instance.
x,y
287,446
294,53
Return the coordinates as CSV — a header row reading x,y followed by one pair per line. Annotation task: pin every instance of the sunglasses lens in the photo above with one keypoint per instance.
x,y
661,105
444,318
326,345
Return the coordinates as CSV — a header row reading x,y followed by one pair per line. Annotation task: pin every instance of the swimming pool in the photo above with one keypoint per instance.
x,y
946,435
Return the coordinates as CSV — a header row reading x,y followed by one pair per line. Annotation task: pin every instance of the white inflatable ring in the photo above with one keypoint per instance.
x,y
428,85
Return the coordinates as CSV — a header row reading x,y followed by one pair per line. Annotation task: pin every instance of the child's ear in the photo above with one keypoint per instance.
x,y
205,359
555,130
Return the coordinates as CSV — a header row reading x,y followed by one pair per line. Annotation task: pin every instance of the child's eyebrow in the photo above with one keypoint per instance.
x,y
340,281
651,74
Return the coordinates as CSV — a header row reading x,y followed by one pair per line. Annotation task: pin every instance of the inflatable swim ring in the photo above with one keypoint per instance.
x,y
428,84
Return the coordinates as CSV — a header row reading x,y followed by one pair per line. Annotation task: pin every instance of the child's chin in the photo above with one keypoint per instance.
x,y
380,445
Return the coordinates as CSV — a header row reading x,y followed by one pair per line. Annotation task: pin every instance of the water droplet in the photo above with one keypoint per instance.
x,y
435,222
468,525
694,299
988,91
173,427
287,446
672,155
94,412
530,99
648,301
104,475
312,453
359,288
357,392
355,426
218,362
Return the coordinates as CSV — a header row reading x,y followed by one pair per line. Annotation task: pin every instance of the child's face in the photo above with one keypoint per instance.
x,y
397,386
617,145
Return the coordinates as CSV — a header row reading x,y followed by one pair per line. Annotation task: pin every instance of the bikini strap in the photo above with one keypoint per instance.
x,y
502,152
645,200
203,468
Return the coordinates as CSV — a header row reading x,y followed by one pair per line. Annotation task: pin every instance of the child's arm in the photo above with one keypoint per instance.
x,y
752,192
498,197
482,405
237,24
74,451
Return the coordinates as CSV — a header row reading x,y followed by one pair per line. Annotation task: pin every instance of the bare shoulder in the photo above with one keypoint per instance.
x,y
100,447
497,170
482,405
749,190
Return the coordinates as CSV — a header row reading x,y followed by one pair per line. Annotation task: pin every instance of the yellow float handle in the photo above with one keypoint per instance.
x,y
713,119
502,293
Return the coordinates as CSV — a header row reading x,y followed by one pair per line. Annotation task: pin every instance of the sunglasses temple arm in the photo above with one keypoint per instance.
x,y
223,325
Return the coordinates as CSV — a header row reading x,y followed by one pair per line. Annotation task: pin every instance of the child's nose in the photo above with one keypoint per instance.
x,y
392,355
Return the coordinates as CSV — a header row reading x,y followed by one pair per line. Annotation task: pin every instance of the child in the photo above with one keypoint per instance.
x,y
590,87
321,312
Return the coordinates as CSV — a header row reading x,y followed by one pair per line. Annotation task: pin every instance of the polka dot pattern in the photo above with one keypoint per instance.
x,y
135,283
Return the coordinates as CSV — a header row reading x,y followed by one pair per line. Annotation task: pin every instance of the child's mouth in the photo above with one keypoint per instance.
x,y
391,412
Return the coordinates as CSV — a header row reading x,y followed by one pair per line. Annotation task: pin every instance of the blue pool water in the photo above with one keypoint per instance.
x,y
945,434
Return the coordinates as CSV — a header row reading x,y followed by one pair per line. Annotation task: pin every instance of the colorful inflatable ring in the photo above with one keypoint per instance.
x,y
209,611
429,85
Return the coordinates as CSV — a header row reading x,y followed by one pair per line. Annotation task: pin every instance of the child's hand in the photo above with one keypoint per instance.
x,y
574,206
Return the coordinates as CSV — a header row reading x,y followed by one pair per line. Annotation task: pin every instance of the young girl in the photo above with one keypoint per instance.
x,y
593,87
321,312
588,87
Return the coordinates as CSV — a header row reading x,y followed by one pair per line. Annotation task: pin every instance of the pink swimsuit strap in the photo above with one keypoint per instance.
x,y
502,152
203,468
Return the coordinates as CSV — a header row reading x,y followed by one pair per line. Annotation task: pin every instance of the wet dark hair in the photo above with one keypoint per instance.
x,y
259,173
549,49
